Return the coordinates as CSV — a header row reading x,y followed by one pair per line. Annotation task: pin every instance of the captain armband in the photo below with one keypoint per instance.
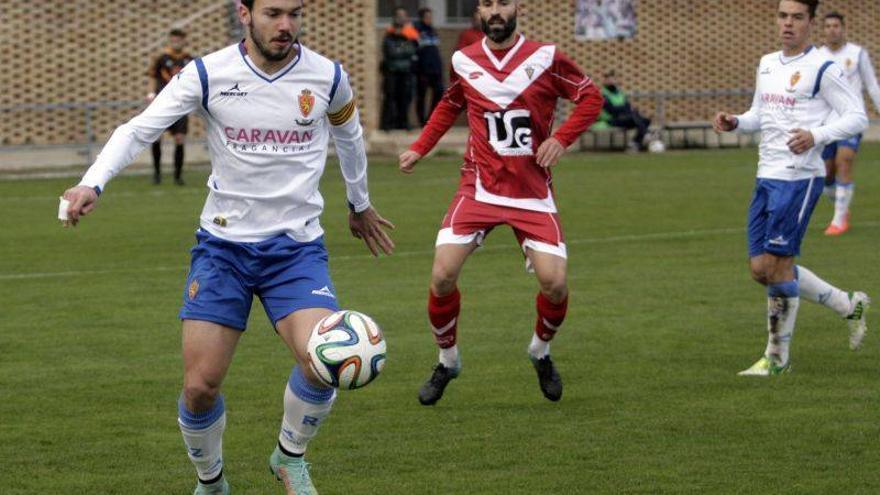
x,y
343,115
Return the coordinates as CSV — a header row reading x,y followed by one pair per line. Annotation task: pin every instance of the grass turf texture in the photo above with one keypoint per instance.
x,y
662,316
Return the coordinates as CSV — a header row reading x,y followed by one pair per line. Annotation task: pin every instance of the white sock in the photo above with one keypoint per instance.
x,y
842,202
203,436
830,191
305,408
781,317
816,290
538,348
449,357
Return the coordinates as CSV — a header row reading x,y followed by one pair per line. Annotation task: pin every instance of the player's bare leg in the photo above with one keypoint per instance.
x,y
307,402
551,305
844,163
207,353
783,299
443,308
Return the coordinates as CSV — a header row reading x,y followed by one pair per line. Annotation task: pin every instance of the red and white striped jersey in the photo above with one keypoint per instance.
x,y
511,99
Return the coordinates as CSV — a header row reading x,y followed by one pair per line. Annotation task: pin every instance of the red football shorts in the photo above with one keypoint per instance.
x,y
468,220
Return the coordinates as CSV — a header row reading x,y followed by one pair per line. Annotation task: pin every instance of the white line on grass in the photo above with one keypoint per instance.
x,y
657,236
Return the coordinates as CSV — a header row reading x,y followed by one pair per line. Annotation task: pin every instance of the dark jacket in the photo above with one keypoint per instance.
x,y
430,62
399,50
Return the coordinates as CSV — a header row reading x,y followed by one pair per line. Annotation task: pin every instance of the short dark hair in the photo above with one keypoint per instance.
x,y
812,4
250,3
177,32
423,11
835,15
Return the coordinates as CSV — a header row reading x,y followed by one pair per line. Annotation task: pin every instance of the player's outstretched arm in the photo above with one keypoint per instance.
x,y
180,97
441,120
370,226
81,200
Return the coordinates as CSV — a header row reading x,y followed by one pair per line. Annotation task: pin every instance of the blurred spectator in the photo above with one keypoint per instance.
x,y
173,59
429,68
472,34
399,54
617,112
468,37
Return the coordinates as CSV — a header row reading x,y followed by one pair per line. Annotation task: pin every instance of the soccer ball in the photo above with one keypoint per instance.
x,y
346,349
656,146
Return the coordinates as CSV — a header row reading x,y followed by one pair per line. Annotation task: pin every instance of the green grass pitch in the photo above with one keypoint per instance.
x,y
662,316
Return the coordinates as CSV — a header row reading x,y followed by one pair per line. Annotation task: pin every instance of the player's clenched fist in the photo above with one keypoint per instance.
x,y
408,160
724,122
82,200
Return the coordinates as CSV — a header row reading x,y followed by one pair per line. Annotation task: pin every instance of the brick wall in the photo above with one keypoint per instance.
x,y
88,50
56,51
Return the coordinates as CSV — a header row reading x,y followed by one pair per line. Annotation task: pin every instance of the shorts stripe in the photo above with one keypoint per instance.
x,y
806,201
556,226
452,217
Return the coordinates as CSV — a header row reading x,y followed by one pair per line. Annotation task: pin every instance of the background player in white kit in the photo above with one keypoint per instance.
x,y
840,155
269,105
795,92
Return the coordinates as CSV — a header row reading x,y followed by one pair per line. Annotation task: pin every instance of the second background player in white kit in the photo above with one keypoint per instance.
x,y
840,155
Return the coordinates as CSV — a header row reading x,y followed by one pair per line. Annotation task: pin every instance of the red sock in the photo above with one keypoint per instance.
x,y
550,316
443,312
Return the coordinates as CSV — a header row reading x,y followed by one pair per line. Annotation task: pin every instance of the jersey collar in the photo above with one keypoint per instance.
x,y
499,64
787,60
242,49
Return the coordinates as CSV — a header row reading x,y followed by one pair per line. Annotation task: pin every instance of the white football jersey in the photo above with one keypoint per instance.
x,y
267,137
857,68
799,93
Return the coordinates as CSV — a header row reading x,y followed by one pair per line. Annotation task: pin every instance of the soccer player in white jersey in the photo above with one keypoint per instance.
x,y
795,92
840,155
269,105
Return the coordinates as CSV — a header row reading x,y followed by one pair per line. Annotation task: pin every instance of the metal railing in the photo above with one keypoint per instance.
x,y
661,97
88,109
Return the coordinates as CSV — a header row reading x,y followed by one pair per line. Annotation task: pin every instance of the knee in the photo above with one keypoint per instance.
x,y
180,139
443,280
200,394
555,289
760,275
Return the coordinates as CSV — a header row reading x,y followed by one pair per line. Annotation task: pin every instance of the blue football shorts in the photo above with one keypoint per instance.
x,y
779,215
225,276
830,150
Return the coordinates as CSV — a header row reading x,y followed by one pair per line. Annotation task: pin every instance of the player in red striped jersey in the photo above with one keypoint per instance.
x,y
509,86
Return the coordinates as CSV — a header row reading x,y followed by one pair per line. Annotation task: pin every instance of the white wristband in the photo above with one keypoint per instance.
x,y
63,204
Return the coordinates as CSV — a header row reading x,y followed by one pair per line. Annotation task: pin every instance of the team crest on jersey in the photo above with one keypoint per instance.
x,y
306,102
530,71
849,63
193,289
794,80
